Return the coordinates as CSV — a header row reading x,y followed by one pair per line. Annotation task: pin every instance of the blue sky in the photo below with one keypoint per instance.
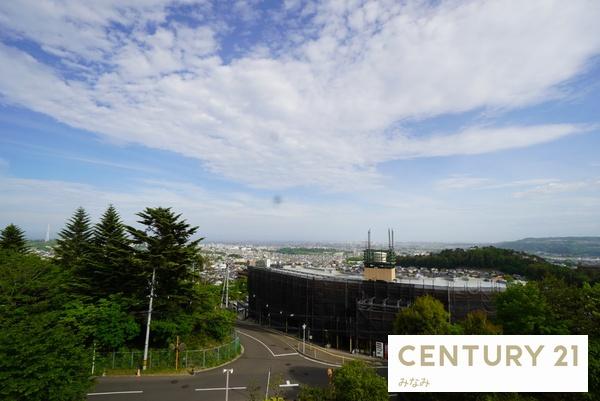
x,y
448,121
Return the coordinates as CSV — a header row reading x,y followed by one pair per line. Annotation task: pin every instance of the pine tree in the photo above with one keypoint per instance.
x,y
166,245
110,268
13,238
74,243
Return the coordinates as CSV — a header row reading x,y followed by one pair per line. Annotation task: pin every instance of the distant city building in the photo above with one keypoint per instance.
x,y
352,309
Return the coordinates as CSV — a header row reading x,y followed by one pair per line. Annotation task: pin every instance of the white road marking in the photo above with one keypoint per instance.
x,y
296,353
290,354
288,384
117,392
220,388
265,345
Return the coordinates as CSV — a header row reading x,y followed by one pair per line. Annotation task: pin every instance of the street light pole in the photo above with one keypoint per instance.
x,y
303,338
286,322
145,363
227,372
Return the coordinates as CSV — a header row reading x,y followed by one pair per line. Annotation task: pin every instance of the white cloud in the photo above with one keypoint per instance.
x,y
521,183
32,203
231,215
557,187
531,188
481,140
461,182
315,107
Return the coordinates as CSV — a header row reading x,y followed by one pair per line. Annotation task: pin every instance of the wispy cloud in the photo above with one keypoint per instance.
x,y
45,151
235,215
557,187
33,201
461,182
316,105
521,183
109,163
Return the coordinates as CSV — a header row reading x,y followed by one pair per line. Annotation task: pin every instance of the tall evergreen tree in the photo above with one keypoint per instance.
x,y
12,238
165,244
74,243
109,269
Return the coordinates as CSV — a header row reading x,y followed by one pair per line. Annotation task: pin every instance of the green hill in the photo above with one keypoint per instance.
x,y
563,246
504,260
305,251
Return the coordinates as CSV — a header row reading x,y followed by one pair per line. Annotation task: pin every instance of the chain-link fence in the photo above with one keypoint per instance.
x,y
165,359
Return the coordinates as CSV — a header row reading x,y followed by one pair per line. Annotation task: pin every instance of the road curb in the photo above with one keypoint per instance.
x,y
368,360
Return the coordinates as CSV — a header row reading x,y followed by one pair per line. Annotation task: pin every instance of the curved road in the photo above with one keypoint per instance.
x,y
263,352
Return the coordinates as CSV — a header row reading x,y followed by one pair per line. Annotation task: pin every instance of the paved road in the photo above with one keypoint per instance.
x,y
264,351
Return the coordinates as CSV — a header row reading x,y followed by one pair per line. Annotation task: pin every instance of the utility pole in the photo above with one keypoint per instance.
x,y
145,363
449,312
227,287
225,295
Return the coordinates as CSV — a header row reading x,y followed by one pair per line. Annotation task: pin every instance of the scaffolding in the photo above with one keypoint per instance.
x,y
347,313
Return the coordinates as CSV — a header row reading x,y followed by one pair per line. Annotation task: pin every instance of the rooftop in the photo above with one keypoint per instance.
x,y
464,282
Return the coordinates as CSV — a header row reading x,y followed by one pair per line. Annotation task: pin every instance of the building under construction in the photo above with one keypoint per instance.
x,y
353,311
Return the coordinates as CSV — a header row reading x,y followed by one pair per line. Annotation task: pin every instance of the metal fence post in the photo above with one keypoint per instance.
x,y
222,353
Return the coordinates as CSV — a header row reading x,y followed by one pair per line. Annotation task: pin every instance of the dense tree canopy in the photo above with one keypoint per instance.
x,y
505,260
477,323
41,356
94,295
104,324
522,309
354,381
12,238
426,316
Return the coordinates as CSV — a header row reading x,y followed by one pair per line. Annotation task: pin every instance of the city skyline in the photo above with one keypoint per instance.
x,y
305,121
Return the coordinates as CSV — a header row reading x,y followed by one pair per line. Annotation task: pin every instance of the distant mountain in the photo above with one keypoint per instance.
x,y
559,246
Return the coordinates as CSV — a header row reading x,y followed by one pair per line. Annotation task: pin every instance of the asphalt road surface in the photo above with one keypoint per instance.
x,y
264,352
